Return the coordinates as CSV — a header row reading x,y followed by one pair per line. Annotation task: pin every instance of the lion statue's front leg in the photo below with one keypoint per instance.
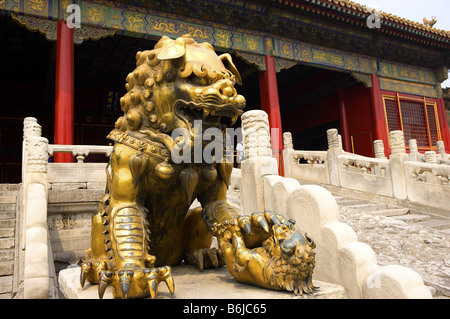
x,y
132,246
119,255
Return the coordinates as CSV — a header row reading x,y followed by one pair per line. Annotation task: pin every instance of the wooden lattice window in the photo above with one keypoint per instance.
x,y
414,121
393,118
417,118
432,122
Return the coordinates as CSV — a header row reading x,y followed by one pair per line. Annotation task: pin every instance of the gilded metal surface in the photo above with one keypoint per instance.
x,y
284,262
143,225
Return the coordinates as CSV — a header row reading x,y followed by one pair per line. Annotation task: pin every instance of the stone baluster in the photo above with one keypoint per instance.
x,y
37,158
31,129
431,158
378,147
334,150
441,150
413,150
333,138
397,142
258,160
287,140
288,149
36,271
80,153
413,146
255,130
397,157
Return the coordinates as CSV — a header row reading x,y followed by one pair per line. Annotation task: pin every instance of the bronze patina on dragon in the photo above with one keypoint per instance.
x,y
143,225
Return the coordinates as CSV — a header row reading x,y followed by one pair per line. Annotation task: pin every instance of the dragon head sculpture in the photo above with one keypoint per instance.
x,y
176,83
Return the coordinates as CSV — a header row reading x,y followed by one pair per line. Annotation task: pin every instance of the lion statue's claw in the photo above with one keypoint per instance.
x,y
129,282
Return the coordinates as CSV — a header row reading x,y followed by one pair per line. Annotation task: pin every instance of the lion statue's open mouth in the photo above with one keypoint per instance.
x,y
209,113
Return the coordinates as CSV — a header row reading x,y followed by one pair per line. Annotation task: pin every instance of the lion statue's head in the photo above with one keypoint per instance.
x,y
176,83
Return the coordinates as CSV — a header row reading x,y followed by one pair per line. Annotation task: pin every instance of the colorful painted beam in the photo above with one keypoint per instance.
x,y
141,22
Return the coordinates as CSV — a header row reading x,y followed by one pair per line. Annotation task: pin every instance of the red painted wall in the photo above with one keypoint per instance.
x,y
359,117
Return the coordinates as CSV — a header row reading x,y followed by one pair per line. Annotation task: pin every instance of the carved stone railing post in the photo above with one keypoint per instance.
x,y
34,237
430,157
258,160
397,157
334,149
37,158
36,271
31,129
287,141
256,134
397,142
288,149
333,138
378,147
413,150
441,150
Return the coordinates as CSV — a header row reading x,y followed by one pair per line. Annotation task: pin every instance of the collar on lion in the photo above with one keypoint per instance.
x,y
146,146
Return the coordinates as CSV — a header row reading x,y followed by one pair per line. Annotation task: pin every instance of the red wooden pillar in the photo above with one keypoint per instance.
x,y
64,91
378,114
270,103
263,92
346,143
443,124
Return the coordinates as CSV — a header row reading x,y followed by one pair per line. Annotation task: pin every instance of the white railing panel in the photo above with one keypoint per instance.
x,y
366,174
310,166
428,184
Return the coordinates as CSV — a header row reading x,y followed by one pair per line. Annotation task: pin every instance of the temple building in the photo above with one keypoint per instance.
x,y
310,64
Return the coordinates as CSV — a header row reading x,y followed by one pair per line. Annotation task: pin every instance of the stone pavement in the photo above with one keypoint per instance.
x,y
423,249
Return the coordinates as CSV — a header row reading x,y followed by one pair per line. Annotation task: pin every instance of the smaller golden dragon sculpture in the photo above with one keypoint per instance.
x,y
285,261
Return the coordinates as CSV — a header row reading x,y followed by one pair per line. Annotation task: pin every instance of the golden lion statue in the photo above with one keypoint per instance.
x,y
143,225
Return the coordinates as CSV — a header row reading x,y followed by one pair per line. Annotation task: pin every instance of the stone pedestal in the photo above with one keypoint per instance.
x,y
191,283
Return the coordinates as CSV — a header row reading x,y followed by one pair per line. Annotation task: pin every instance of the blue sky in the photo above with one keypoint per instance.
x,y
415,10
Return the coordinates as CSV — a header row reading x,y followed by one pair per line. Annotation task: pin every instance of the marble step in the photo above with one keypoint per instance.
x,y
388,212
